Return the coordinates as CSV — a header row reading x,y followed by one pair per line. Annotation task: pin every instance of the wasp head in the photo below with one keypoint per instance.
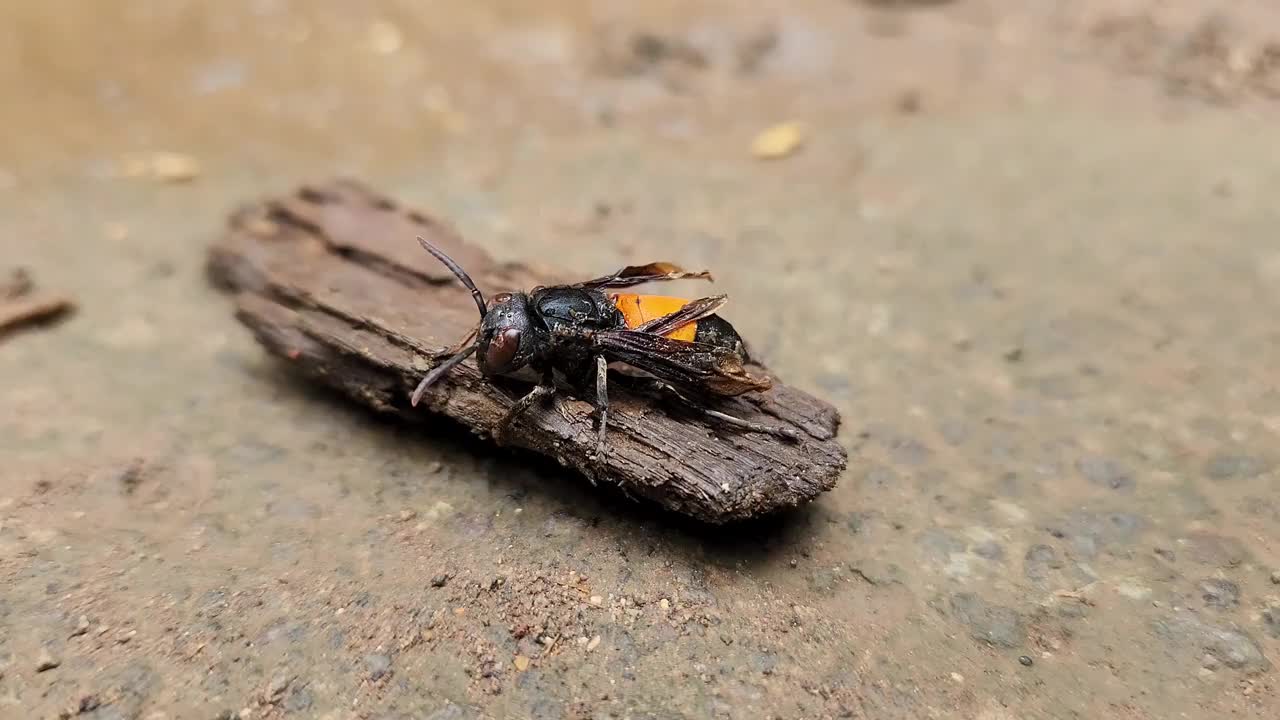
x,y
508,335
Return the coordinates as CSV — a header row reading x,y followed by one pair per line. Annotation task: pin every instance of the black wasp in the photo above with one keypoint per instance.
x,y
573,332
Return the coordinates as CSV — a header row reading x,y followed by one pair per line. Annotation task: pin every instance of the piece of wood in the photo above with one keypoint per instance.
x,y
22,306
333,279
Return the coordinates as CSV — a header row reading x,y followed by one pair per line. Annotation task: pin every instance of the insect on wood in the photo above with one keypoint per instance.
x,y
324,280
568,335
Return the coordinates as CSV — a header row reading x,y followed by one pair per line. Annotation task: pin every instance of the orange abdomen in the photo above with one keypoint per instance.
x,y
639,309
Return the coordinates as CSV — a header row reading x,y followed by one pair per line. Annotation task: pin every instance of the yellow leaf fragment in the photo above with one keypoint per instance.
x,y
778,141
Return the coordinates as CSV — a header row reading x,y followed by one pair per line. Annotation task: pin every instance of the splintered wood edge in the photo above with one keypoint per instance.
x,y
269,258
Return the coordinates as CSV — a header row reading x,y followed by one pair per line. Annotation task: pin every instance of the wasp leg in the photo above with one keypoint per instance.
x,y
602,405
782,432
545,389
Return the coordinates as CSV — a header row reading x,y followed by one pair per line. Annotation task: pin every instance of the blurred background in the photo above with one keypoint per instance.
x,y
1028,249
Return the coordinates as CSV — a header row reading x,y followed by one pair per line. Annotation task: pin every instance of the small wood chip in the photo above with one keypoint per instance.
x,y
19,305
170,167
1073,595
778,141
174,167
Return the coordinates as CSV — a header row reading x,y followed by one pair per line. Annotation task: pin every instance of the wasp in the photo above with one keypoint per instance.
x,y
571,334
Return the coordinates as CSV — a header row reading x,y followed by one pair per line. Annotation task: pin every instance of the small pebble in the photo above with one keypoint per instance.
x,y
522,663
991,550
596,600
275,689
1025,660
1219,593
1275,577
1209,662
377,666
439,580
46,661
82,627
664,603
595,642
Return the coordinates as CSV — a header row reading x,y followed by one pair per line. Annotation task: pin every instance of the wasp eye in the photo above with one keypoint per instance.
x,y
502,349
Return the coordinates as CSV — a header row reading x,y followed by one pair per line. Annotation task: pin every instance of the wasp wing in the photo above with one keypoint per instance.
x,y
693,367
632,275
692,312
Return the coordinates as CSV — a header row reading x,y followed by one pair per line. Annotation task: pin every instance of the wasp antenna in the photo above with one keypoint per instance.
x,y
457,271
437,372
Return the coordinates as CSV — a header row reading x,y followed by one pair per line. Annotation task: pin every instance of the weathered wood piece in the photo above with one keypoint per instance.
x,y
21,305
333,279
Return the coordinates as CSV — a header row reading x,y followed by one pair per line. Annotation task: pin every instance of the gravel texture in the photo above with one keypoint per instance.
x,y
1030,254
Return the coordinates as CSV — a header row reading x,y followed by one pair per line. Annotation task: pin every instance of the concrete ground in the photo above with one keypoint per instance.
x,y
1032,255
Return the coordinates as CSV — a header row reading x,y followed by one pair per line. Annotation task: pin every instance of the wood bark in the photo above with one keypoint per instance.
x,y
21,305
332,279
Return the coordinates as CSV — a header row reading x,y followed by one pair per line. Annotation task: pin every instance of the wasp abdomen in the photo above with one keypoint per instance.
x,y
639,309
711,330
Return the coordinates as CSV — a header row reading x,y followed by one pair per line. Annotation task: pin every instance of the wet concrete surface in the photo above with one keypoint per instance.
x,y
1031,255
